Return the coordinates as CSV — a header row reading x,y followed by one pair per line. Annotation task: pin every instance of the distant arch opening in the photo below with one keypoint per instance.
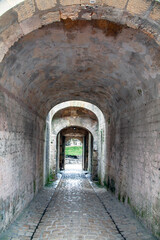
x,y
63,121
73,152
69,155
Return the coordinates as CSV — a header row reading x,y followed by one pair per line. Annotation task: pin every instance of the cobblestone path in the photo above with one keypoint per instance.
x,y
77,210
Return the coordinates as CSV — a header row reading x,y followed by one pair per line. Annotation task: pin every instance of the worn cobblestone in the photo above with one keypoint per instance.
x,y
76,212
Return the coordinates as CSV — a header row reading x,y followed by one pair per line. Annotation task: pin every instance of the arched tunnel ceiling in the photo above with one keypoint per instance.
x,y
97,61
75,112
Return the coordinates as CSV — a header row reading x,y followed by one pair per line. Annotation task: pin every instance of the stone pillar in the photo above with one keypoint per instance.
x,y
89,152
94,171
46,163
62,152
85,168
58,152
83,152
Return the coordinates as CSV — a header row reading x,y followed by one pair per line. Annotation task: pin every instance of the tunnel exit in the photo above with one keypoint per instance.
x,y
74,149
73,154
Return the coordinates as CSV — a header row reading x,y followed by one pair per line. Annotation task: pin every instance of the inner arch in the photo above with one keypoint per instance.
x,y
80,114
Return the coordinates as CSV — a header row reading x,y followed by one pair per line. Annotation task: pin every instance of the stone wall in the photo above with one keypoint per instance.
x,y
134,161
21,151
103,53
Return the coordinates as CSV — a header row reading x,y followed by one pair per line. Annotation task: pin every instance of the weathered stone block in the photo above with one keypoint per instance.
x,y
25,10
70,12
132,24
50,18
87,16
69,2
114,3
7,20
3,50
138,7
16,177
12,34
155,13
31,24
47,4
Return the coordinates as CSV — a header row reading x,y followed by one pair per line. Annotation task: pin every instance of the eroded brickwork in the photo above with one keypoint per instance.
x,y
21,151
134,162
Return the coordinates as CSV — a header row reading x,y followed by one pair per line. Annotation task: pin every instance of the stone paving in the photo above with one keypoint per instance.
x,y
76,209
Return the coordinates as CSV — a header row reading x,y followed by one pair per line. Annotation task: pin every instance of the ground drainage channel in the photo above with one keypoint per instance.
x,y
109,214
55,194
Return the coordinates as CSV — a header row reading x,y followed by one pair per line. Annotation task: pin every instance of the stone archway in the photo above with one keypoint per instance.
x,y
88,116
87,140
79,114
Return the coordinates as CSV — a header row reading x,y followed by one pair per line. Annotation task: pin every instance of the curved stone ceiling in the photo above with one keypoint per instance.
x,y
75,112
97,61
75,116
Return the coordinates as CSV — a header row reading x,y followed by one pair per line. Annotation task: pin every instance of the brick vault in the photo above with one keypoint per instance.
x,y
102,52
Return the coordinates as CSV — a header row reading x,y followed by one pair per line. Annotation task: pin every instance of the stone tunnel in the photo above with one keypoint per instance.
x,y
89,64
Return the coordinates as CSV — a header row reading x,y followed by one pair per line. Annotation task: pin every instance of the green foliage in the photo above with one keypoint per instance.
x,y
51,178
98,184
123,198
139,91
73,151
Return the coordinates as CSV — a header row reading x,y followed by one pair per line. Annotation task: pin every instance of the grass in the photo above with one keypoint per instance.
x,y
98,184
73,151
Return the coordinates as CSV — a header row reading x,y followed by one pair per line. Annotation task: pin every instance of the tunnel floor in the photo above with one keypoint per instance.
x,y
75,208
